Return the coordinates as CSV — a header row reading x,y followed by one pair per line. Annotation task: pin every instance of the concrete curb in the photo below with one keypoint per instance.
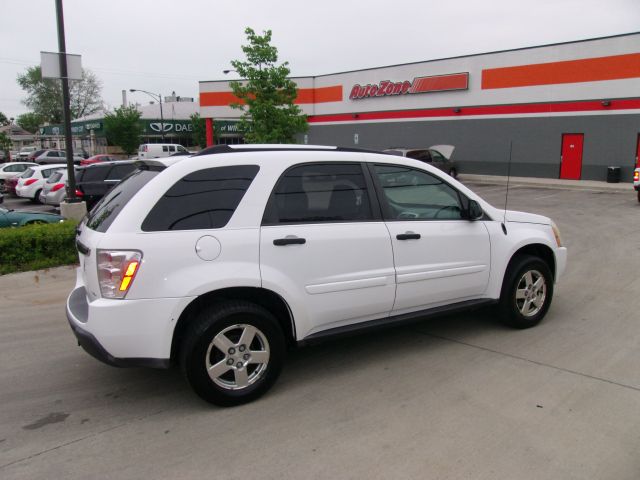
x,y
589,185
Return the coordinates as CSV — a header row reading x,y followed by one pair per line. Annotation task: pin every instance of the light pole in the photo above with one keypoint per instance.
x,y
155,97
226,72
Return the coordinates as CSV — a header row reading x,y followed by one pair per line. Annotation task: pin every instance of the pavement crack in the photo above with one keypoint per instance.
x,y
528,360
71,442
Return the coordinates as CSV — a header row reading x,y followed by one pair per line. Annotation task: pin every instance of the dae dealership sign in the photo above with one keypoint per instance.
x,y
435,83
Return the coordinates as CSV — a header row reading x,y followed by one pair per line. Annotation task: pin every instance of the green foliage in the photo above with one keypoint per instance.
x,y
3,120
33,247
267,95
30,121
5,142
123,128
44,95
199,130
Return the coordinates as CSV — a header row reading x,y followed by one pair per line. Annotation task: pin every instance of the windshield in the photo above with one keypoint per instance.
x,y
107,209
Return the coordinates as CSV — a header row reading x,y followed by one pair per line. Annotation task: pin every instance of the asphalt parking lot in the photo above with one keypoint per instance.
x,y
459,397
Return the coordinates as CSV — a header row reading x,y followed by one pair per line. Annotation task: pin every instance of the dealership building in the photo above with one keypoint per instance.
x,y
567,110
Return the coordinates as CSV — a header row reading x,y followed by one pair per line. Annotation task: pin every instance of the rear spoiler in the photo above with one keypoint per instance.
x,y
152,165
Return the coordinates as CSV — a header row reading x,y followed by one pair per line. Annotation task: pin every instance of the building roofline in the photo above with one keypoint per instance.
x,y
457,57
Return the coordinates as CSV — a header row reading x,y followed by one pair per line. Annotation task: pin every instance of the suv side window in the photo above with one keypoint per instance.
x,y
118,172
201,200
312,193
417,195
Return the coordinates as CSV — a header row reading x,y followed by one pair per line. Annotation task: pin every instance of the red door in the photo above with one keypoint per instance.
x,y
571,161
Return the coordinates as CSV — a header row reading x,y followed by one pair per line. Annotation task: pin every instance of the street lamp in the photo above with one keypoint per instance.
x,y
155,97
229,71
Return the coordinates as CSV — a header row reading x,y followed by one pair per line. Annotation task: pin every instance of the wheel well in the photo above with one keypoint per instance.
x,y
267,299
541,251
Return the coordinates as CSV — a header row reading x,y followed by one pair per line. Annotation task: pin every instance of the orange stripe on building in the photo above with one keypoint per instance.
x,y
615,67
439,83
305,96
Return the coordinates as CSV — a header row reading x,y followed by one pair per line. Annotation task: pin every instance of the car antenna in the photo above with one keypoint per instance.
x,y
506,195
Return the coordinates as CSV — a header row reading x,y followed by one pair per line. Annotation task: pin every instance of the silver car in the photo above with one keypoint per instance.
x,y
55,156
54,189
438,155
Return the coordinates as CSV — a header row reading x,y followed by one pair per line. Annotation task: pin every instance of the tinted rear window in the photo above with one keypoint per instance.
x,y
107,209
201,200
94,174
118,172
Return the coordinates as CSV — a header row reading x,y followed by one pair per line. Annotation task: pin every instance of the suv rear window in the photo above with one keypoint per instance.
x,y
107,209
201,200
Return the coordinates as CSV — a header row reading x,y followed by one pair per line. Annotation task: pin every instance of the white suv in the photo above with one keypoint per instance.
x,y
222,261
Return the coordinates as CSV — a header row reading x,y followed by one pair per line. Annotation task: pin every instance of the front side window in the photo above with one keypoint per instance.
x,y
312,193
203,199
417,195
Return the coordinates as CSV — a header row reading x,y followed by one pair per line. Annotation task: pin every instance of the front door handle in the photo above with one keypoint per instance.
x,y
279,242
408,236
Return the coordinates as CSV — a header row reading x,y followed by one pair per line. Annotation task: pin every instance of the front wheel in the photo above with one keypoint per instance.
x,y
232,353
527,291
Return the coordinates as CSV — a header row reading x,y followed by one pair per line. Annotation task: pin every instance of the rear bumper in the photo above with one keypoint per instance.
x,y
125,333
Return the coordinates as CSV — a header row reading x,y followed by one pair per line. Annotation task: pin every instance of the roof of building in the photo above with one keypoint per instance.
x,y
151,111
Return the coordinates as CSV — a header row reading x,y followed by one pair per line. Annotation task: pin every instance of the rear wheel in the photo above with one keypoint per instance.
x,y
638,195
36,197
232,353
527,291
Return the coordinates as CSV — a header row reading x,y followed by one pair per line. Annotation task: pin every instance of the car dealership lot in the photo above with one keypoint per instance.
x,y
455,397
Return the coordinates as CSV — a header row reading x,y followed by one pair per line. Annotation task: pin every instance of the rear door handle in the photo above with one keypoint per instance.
x,y
408,236
279,242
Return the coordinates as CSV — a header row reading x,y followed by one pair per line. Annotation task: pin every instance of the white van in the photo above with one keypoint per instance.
x,y
159,150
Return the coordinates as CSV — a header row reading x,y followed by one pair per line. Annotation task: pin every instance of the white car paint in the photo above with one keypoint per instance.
x,y
31,190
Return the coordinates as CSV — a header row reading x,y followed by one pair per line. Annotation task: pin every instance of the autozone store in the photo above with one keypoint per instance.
x,y
568,110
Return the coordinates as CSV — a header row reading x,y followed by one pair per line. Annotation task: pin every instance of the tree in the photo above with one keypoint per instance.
x,y
5,143
267,95
30,121
123,128
44,95
199,130
3,120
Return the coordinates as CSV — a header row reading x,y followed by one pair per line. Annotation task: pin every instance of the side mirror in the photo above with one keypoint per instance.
x,y
474,211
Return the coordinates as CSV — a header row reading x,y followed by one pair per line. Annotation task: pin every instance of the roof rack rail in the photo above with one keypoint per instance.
x,y
227,149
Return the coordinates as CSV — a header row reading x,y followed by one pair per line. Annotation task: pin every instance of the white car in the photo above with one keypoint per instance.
x,y
32,181
54,189
221,262
13,169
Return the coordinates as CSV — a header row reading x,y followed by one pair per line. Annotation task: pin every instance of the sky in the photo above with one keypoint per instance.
x,y
164,46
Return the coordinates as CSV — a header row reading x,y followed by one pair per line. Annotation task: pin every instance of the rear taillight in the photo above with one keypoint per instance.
x,y
636,176
57,187
79,193
116,271
31,181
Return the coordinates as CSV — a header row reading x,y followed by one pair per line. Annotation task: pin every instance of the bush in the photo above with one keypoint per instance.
x,y
33,247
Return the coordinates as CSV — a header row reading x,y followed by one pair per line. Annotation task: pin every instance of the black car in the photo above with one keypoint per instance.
x,y
94,181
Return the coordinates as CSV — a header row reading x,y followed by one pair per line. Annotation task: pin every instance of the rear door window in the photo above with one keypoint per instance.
x,y
108,209
201,200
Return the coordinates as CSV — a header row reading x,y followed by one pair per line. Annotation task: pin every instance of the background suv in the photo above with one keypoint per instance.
x,y
438,155
220,262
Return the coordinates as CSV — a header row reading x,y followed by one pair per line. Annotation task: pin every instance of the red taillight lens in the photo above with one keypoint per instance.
x,y
636,176
79,193
57,187
31,181
116,271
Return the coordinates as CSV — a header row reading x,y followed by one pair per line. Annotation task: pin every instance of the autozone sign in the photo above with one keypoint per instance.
x,y
434,83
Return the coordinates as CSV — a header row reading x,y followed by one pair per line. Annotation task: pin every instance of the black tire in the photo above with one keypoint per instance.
x,y
36,197
198,352
638,195
514,311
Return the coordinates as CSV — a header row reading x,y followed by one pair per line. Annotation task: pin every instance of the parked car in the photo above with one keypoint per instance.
x,y
98,158
636,181
221,262
438,155
18,218
94,181
9,187
24,152
54,190
48,157
159,150
5,156
13,169
31,182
